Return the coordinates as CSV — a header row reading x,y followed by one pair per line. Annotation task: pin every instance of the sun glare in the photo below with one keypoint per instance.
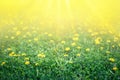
x,y
57,12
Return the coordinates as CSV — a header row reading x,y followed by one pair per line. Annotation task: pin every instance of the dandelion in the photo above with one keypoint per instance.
x,y
115,68
116,39
65,55
78,54
108,52
51,41
36,64
98,40
49,35
27,59
76,35
9,49
23,54
12,37
27,62
78,47
73,44
12,54
67,49
63,42
3,63
87,49
108,41
18,33
41,55
101,48
75,38
35,39
112,59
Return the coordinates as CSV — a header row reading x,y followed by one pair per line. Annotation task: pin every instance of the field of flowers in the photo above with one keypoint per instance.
x,y
30,52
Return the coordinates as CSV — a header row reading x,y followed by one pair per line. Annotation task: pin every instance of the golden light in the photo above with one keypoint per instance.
x,y
65,12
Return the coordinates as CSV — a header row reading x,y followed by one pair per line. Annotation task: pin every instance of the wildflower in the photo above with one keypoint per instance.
x,y
88,49
116,39
26,58
29,40
35,39
76,35
18,33
12,54
63,42
98,40
12,37
46,33
108,52
78,54
41,55
108,41
75,38
9,49
78,47
51,41
49,35
67,49
3,63
23,54
115,68
36,64
112,59
65,55
101,48
27,62
73,44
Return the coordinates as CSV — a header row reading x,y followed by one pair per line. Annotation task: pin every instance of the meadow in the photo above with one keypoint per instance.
x,y
30,52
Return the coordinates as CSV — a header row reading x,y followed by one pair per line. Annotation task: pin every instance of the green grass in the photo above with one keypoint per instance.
x,y
78,64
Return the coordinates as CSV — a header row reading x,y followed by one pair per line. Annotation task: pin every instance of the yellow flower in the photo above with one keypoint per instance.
x,y
78,47
108,52
78,54
23,54
65,55
75,38
101,48
26,58
3,63
9,49
29,40
12,37
49,35
76,34
115,68
73,44
108,41
112,59
88,49
18,33
63,42
116,39
35,39
41,55
27,62
51,41
36,64
98,40
12,54
67,49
